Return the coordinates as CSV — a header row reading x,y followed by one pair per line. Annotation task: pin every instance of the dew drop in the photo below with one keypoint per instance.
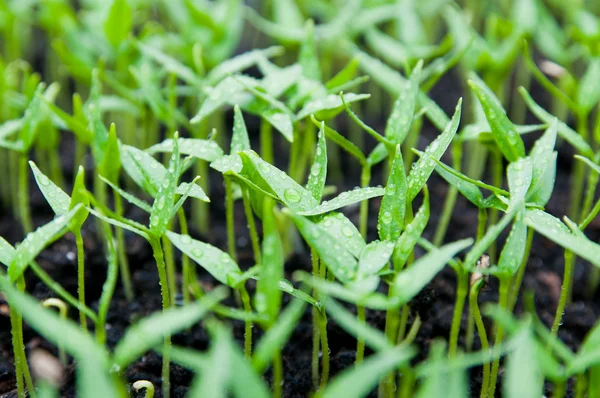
x,y
186,239
292,195
347,231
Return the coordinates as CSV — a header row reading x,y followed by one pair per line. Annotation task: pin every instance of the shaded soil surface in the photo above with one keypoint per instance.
x,y
435,304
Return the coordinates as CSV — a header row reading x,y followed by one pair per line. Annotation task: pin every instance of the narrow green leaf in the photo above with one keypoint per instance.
x,y
216,262
422,168
129,197
339,260
373,258
111,161
409,238
342,141
193,190
274,180
392,82
358,381
132,227
63,333
466,188
543,158
268,295
7,252
400,120
393,204
523,374
118,22
31,119
374,338
239,139
519,174
36,241
56,197
514,248
590,163
171,64
202,149
218,96
505,134
329,106
588,89
308,57
318,171
79,196
213,379
276,337
146,171
409,283
344,232
564,131
357,293
241,62
556,231
344,76
344,199
160,216
151,330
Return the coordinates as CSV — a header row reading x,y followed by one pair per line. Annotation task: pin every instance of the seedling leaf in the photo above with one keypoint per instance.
x,y
163,202
422,168
344,199
393,204
56,197
318,171
216,262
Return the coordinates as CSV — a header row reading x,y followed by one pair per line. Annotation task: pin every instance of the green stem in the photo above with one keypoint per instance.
x,y
365,179
122,252
360,342
81,276
403,322
564,291
560,388
24,206
266,141
248,326
461,294
578,174
503,302
580,386
159,257
251,225
21,367
108,289
518,281
324,349
485,346
229,212
497,171
316,340
412,333
170,262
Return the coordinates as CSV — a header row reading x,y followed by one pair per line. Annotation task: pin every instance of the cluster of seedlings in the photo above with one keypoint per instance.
x,y
154,99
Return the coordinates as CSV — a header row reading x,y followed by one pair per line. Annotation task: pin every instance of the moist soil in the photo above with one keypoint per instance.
x,y
434,304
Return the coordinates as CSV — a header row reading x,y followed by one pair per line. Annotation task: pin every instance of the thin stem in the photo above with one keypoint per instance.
x,y
81,277
170,262
248,326
403,322
324,349
461,294
360,341
560,388
485,346
24,206
122,252
251,225
564,291
21,366
159,257
518,281
365,179
503,301
108,289
229,213
266,141
497,182
412,333
580,386
316,341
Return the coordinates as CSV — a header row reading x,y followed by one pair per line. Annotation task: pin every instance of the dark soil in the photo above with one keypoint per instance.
x,y
434,305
